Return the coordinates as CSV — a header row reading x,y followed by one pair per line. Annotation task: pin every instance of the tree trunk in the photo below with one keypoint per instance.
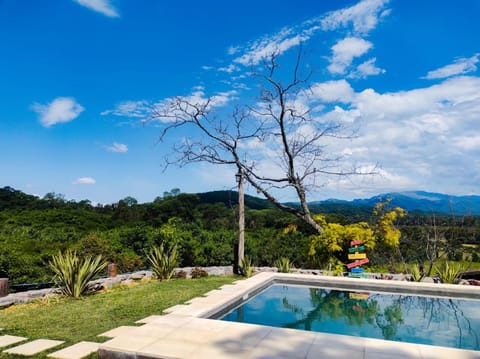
x,y
3,287
241,222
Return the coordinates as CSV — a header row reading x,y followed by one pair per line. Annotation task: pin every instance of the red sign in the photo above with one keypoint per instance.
x,y
356,242
357,263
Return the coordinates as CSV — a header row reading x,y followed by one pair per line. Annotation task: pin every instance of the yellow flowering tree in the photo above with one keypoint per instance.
x,y
330,249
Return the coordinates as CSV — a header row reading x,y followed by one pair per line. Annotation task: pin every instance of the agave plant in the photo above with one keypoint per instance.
x,y
415,273
449,272
246,267
72,273
163,261
283,264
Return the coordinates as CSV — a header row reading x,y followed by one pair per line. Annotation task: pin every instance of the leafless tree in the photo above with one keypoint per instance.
x,y
280,122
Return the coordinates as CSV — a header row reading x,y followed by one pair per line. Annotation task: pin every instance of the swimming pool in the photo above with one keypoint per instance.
x,y
439,321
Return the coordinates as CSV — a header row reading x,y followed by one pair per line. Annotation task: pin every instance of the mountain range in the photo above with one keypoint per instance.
x,y
421,201
412,201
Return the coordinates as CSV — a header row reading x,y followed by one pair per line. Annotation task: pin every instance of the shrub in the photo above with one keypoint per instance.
x,y
283,264
199,272
163,261
72,273
246,267
449,272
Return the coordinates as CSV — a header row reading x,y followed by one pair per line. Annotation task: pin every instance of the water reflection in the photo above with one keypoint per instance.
x,y
437,321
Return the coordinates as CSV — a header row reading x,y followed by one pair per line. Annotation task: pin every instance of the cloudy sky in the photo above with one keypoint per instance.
x,y
77,78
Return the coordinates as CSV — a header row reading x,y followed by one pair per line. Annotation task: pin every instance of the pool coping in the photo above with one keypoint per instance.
x,y
185,331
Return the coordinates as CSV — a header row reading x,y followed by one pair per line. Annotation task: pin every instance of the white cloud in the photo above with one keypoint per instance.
x,y
344,51
468,143
135,109
229,69
363,16
102,6
367,68
276,44
60,110
333,91
422,138
461,66
145,110
84,180
232,50
118,147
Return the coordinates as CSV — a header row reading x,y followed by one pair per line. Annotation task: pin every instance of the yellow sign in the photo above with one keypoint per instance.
x,y
357,256
359,296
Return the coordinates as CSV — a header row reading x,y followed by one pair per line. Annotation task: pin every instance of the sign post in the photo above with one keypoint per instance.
x,y
356,253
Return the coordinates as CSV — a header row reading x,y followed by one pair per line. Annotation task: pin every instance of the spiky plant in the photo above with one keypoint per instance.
x,y
72,273
163,261
246,267
449,272
283,264
415,273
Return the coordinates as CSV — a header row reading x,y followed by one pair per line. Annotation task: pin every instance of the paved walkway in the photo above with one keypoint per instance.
x,y
77,351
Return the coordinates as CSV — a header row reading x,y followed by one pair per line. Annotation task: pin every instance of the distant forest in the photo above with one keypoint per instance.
x,y
204,226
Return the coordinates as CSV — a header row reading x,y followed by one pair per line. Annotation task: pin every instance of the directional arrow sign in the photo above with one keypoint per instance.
x,y
356,242
357,256
357,263
357,270
356,249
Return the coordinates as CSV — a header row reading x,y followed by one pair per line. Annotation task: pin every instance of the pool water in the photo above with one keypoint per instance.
x,y
407,318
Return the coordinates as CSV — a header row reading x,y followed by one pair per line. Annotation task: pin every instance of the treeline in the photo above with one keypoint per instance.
x,y
204,226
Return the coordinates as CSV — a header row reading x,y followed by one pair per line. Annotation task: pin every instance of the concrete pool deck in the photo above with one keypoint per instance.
x,y
186,332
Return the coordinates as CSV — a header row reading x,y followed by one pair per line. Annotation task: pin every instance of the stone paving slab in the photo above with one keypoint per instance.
x,y
34,347
124,329
6,340
76,351
148,319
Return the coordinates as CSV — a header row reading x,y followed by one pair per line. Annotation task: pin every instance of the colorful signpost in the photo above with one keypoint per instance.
x,y
356,253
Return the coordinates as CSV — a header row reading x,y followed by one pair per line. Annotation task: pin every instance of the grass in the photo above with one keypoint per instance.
x,y
74,320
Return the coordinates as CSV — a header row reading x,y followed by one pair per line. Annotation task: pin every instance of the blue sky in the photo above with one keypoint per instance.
x,y
76,75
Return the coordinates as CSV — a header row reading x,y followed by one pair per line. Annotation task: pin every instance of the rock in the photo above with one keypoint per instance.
x,y
428,280
474,282
137,275
219,271
464,282
6,301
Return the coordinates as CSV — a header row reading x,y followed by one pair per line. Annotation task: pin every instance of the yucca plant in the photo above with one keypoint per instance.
x,y
449,272
163,261
72,273
246,267
415,273
283,264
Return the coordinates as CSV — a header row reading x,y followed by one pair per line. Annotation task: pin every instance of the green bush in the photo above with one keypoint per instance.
x,y
163,261
72,273
283,264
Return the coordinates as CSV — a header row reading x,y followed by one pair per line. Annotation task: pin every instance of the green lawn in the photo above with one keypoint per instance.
x,y
74,320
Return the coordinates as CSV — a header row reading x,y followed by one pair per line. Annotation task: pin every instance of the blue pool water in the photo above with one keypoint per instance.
x,y
425,320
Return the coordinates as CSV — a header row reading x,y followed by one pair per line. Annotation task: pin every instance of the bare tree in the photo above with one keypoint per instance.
x,y
281,124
